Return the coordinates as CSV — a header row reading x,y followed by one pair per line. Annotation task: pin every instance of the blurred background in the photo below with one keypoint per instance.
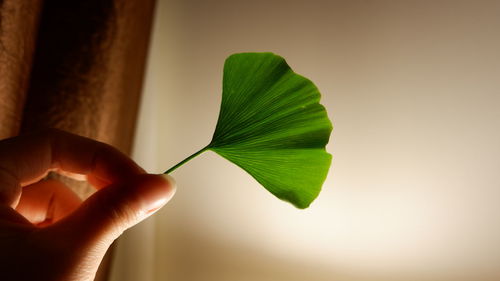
x,y
413,90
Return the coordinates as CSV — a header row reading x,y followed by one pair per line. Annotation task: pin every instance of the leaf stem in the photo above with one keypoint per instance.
x,y
186,160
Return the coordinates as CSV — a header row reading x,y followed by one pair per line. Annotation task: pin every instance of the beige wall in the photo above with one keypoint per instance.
x,y
413,89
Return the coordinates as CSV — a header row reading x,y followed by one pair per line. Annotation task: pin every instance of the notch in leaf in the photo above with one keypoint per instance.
x,y
272,125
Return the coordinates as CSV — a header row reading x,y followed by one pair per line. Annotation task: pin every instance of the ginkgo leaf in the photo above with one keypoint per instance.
x,y
272,125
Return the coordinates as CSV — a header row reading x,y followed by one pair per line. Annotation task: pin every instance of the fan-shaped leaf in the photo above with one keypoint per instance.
x,y
272,125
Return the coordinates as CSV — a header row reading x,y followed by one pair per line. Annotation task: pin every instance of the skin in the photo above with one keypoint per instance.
x,y
46,231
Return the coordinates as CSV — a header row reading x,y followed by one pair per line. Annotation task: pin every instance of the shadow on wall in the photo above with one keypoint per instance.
x,y
201,258
198,257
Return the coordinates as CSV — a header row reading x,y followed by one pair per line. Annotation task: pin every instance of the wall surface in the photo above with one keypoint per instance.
x,y
413,90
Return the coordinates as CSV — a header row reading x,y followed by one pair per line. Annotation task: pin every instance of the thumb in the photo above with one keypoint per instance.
x,y
113,209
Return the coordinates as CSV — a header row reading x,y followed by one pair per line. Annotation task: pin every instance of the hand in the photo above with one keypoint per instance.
x,y
46,232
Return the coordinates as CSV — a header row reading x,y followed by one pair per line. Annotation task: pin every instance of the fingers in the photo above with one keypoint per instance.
x,y
27,159
47,202
113,209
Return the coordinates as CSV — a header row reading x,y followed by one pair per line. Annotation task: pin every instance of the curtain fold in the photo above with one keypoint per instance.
x,y
18,31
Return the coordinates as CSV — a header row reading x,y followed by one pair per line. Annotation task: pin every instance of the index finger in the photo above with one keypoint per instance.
x,y
27,158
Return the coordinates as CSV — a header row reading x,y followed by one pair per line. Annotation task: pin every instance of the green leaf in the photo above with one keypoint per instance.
x,y
272,125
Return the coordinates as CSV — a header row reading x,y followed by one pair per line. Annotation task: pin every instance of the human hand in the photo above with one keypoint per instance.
x,y
46,232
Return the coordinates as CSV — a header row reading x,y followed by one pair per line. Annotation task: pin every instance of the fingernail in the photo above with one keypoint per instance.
x,y
154,205
170,180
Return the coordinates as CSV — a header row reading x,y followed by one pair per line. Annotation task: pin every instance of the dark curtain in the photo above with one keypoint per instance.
x,y
76,65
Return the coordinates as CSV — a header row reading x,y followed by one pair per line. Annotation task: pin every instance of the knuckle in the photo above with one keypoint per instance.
x,y
117,212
